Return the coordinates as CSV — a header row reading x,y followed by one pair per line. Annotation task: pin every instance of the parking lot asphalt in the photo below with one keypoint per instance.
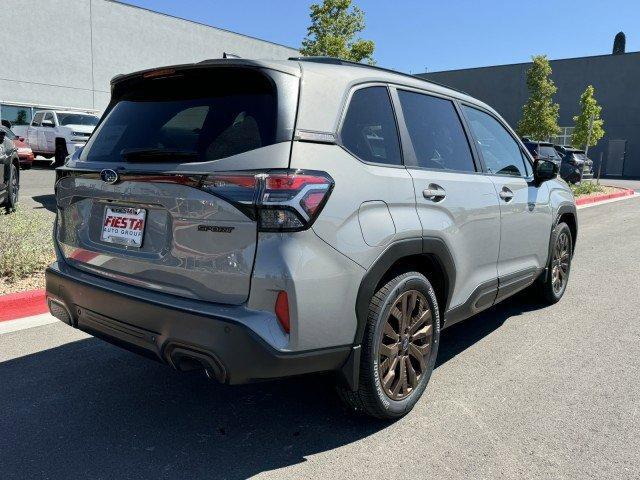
x,y
520,391
36,187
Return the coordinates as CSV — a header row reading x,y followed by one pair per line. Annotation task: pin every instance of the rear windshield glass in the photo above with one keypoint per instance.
x,y
547,151
77,119
194,116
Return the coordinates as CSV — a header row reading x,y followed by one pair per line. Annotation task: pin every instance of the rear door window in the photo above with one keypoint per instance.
x,y
193,117
436,132
369,130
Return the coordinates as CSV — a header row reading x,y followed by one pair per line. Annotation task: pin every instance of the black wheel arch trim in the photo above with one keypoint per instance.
x,y
433,246
563,209
398,250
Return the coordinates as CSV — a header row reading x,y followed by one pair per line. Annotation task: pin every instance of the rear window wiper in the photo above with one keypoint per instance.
x,y
156,154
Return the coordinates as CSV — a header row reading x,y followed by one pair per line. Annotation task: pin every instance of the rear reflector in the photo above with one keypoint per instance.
x,y
282,310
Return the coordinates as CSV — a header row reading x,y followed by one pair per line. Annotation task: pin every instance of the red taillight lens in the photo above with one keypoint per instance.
x,y
292,200
287,200
282,310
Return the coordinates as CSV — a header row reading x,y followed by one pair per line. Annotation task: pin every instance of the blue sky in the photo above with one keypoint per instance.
x,y
412,35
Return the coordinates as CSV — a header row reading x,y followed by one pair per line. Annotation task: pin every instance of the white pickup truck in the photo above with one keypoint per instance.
x,y
59,133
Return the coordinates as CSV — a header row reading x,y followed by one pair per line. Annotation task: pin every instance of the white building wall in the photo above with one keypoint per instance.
x,y
63,53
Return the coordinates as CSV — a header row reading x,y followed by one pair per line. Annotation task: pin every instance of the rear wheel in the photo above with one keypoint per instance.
x,y
61,154
13,191
399,348
554,283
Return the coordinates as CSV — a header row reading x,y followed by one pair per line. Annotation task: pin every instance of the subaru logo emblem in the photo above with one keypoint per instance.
x,y
109,176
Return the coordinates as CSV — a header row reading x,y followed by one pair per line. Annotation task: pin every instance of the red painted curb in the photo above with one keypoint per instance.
x,y
605,196
22,304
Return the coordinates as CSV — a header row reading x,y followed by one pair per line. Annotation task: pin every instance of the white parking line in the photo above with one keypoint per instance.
x,y
27,322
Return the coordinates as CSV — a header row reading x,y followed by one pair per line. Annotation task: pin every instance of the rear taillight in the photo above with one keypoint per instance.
x,y
288,200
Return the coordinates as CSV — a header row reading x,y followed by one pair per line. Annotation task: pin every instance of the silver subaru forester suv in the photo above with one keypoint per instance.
x,y
262,219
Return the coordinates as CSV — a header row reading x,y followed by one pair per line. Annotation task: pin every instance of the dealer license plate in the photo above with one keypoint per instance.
x,y
123,225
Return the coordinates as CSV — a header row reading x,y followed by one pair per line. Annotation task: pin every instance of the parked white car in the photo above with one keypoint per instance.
x,y
59,133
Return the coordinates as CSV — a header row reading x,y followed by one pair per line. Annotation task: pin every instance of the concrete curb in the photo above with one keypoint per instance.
x,y
22,304
627,192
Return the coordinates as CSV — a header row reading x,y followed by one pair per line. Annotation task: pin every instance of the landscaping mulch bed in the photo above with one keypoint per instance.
x,y
32,282
26,248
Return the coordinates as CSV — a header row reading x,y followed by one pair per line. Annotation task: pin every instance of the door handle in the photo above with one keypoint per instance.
x,y
506,194
434,192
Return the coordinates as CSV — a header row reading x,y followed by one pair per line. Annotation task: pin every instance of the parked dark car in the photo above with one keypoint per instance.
x,y
9,173
25,154
543,150
574,160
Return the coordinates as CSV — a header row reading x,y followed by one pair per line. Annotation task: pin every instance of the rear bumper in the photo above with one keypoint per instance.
x,y
170,331
26,158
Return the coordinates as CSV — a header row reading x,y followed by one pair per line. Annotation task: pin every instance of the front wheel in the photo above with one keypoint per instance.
x,y
554,283
399,348
13,191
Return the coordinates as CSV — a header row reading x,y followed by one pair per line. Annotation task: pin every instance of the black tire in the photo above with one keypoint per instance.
x,y
370,397
559,265
61,154
13,190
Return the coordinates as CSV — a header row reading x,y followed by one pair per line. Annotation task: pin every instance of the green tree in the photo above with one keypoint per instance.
x,y
333,30
540,115
588,107
21,119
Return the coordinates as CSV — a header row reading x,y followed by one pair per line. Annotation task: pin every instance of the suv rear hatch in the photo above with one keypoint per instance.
x,y
163,195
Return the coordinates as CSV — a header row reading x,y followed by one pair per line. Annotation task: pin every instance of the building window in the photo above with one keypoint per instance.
x,y
16,114
564,137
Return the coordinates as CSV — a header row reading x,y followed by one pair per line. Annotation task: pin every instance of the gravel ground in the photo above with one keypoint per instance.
x,y
520,391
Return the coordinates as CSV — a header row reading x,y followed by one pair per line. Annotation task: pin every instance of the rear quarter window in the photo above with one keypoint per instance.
x,y
369,129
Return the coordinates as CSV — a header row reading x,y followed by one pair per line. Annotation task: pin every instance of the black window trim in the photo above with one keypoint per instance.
x,y
411,159
523,150
343,115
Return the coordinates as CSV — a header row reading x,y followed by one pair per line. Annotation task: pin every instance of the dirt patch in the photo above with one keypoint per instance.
x,y
32,282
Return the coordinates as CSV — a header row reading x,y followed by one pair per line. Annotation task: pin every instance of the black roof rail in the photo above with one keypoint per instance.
x,y
339,61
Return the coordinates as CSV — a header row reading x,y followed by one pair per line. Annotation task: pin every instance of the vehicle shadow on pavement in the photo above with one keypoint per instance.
x,y
90,410
461,336
47,201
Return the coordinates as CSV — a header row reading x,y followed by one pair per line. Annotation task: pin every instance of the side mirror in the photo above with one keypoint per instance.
x,y
47,123
544,170
21,139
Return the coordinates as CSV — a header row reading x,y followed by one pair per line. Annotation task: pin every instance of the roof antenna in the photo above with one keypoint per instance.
x,y
230,55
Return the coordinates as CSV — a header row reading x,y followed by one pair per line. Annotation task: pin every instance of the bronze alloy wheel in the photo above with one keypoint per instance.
x,y
405,345
560,263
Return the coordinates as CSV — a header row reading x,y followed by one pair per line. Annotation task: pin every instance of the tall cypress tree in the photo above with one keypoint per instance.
x,y
540,115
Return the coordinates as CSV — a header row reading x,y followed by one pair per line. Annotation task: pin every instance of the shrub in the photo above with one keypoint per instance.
x,y
585,188
26,246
